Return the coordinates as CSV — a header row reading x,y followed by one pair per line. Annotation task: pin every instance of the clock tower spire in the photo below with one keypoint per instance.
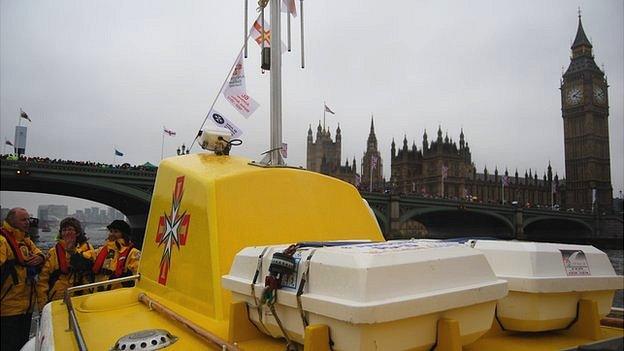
x,y
585,112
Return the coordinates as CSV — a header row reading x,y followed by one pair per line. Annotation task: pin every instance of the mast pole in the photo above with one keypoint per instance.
x,y
276,84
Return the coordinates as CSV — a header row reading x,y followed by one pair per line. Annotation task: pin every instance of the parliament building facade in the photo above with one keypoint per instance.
x,y
443,168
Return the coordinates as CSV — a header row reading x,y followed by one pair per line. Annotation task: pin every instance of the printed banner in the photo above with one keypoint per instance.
x,y
222,121
242,102
236,91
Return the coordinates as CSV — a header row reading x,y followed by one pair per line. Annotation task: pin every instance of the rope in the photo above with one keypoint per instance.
x,y
302,283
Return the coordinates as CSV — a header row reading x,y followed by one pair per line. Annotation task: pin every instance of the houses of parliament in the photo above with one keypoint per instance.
x,y
441,167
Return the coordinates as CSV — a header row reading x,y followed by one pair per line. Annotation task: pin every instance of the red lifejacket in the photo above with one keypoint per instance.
x,y
121,261
62,258
14,247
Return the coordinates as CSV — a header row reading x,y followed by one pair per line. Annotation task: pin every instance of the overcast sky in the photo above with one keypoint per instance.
x,y
95,75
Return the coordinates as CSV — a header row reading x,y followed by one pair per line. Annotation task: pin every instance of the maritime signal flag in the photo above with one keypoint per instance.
x,y
262,35
261,32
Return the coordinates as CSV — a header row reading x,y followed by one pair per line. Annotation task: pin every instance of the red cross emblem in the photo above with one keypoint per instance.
x,y
172,229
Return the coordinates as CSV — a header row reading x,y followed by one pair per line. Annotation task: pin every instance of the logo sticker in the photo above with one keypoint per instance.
x,y
172,229
575,263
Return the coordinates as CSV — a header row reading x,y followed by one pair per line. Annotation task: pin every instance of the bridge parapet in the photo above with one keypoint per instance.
x,y
77,168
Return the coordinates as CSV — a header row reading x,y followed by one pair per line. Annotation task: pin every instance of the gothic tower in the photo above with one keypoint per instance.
x,y
372,166
585,112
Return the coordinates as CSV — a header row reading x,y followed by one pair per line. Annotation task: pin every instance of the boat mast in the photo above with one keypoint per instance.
x,y
274,156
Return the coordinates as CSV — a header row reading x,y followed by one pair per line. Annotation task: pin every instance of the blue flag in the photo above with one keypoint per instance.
x,y
118,153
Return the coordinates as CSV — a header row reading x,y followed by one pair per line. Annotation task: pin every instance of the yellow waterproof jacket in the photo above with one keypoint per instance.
x,y
53,282
17,290
115,251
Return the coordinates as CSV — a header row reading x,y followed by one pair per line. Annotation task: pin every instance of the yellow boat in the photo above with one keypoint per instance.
x,y
219,206
218,272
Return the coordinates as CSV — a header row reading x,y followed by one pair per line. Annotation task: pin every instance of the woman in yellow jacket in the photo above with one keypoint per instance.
x,y
118,257
69,263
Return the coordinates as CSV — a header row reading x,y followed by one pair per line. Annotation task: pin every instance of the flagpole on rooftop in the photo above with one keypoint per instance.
x,y
324,112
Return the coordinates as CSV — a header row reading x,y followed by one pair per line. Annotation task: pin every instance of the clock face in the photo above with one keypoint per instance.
x,y
599,95
574,96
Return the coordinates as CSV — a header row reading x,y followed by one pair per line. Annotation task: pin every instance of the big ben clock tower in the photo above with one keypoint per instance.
x,y
585,111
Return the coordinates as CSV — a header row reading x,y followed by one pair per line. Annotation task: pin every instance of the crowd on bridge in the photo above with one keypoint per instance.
x,y
55,161
32,278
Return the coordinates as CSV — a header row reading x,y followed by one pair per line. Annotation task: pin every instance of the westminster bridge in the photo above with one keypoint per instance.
x,y
400,216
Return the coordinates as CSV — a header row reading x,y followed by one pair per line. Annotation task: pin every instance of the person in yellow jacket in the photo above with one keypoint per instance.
x,y
20,260
118,257
69,263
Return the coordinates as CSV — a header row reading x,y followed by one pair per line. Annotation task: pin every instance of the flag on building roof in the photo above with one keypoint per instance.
x,y
373,160
118,153
327,109
8,142
505,180
169,131
24,115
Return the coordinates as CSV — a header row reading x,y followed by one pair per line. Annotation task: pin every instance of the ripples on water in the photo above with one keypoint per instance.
x,y
97,236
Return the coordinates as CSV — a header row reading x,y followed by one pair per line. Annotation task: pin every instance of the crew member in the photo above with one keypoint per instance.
x,y
118,257
20,260
69,263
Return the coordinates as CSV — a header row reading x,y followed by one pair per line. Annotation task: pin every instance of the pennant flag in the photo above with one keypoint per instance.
x,y
236,92
222,121
444,172
24,115
8,142
288,6
169,131
327,109
505,180
118,153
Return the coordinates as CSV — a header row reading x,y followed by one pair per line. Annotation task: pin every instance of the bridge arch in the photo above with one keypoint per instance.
x,y
533,220
127,191
469,221
558,229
